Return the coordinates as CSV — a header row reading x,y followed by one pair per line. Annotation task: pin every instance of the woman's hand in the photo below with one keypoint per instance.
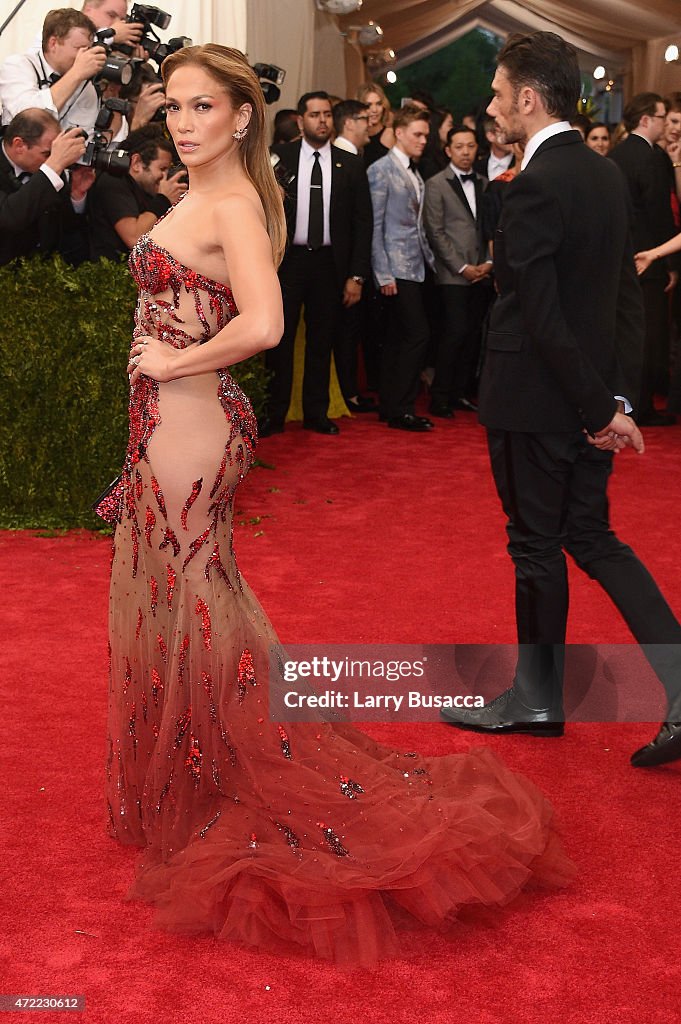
x,y
643,260
153,358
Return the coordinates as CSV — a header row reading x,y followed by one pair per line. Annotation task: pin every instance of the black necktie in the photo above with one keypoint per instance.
x,y
412,166
467,177
315,228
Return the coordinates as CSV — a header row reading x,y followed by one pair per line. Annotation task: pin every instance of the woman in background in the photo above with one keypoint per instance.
x,y
381,135
597,137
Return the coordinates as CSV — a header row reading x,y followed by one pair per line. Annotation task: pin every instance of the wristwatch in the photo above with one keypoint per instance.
x,y
357,279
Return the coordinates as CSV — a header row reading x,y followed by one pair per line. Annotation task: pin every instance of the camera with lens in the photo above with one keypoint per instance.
x,y
116,69
148,17
271,79
100,154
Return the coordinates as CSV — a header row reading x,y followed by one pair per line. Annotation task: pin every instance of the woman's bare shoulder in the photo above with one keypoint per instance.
x,y
241,204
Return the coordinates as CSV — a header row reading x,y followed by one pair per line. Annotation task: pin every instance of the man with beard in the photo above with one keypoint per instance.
x,y
561,362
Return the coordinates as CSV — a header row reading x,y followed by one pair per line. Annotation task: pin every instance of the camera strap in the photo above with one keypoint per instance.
x,y
46,81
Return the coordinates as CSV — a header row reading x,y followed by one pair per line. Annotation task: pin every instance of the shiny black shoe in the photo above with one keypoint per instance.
x,y
267,427
666,746
321,425
417,424
506,714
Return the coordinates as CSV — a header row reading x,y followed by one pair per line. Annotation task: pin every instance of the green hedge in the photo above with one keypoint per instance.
x,y
64,338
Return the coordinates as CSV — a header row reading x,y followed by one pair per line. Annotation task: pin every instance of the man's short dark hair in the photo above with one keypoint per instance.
x,y
320,94
546,63
146,142
408,114
30,126
638,106
285,126
457,129
347,110
60,22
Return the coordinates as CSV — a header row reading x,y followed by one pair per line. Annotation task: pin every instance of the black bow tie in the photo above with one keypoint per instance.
x,y
412,166
467,177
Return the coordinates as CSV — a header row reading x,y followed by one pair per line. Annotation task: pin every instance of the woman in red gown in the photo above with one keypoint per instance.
x,y
287,837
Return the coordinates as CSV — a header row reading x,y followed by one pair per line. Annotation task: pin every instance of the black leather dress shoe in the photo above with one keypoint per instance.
x,y
361,404
465,405
666,746
322,425
267,427
417,424
505,714
444,412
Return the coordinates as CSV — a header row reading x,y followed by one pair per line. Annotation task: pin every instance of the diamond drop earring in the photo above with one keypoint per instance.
x,y
240,134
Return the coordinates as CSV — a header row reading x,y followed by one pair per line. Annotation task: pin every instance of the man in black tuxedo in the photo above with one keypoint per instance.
x,y
562,360
329,218
36,203
650,177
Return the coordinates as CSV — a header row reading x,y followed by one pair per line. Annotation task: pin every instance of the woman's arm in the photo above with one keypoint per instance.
x,y
255,286
648,256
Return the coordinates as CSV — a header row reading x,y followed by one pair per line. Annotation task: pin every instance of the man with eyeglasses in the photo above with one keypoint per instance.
x,y
351,125
649,175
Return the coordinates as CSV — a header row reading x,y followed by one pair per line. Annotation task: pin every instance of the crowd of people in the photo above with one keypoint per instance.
x,y
391,216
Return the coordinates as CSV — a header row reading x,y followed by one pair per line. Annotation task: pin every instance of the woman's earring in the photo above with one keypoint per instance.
x,y
240,133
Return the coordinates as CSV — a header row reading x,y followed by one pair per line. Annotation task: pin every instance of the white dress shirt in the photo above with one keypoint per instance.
x,y
496,165
541,136
24,83
468,189
305,165
345,144
415,178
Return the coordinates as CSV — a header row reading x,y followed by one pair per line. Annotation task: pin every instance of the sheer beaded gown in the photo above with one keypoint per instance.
x,y
305,837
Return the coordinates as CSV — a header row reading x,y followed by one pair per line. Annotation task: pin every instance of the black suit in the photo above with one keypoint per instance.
x,y
558,352
33,215
315,280
648,173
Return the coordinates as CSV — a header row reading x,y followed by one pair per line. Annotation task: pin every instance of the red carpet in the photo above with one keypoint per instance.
x,y
372,536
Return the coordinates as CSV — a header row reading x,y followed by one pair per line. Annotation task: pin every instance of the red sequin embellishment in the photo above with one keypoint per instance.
x,y
140,619
184,647
215,562
135,548
170,538
194,759
149,525
285,745
158,493
139,484
291,838
153,588
162,648
195,547
333,841
170,585
196,490
183,724
203,610
350,788
156,685
128,675
246,674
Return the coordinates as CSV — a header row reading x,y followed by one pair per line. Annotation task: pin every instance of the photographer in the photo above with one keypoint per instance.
x,y
124,208
38,207
112,14
58,78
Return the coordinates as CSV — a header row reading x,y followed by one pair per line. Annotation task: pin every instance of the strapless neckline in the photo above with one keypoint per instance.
x,y
211,284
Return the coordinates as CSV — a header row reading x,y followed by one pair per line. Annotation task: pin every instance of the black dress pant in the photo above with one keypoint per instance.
x,y
308,278
346,349
553,488
458,349
656,346
404,350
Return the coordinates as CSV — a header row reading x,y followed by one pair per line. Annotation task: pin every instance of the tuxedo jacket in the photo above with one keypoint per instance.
x,y
566,332
455,235
648,175
400,248
32,215
480,165
350,218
